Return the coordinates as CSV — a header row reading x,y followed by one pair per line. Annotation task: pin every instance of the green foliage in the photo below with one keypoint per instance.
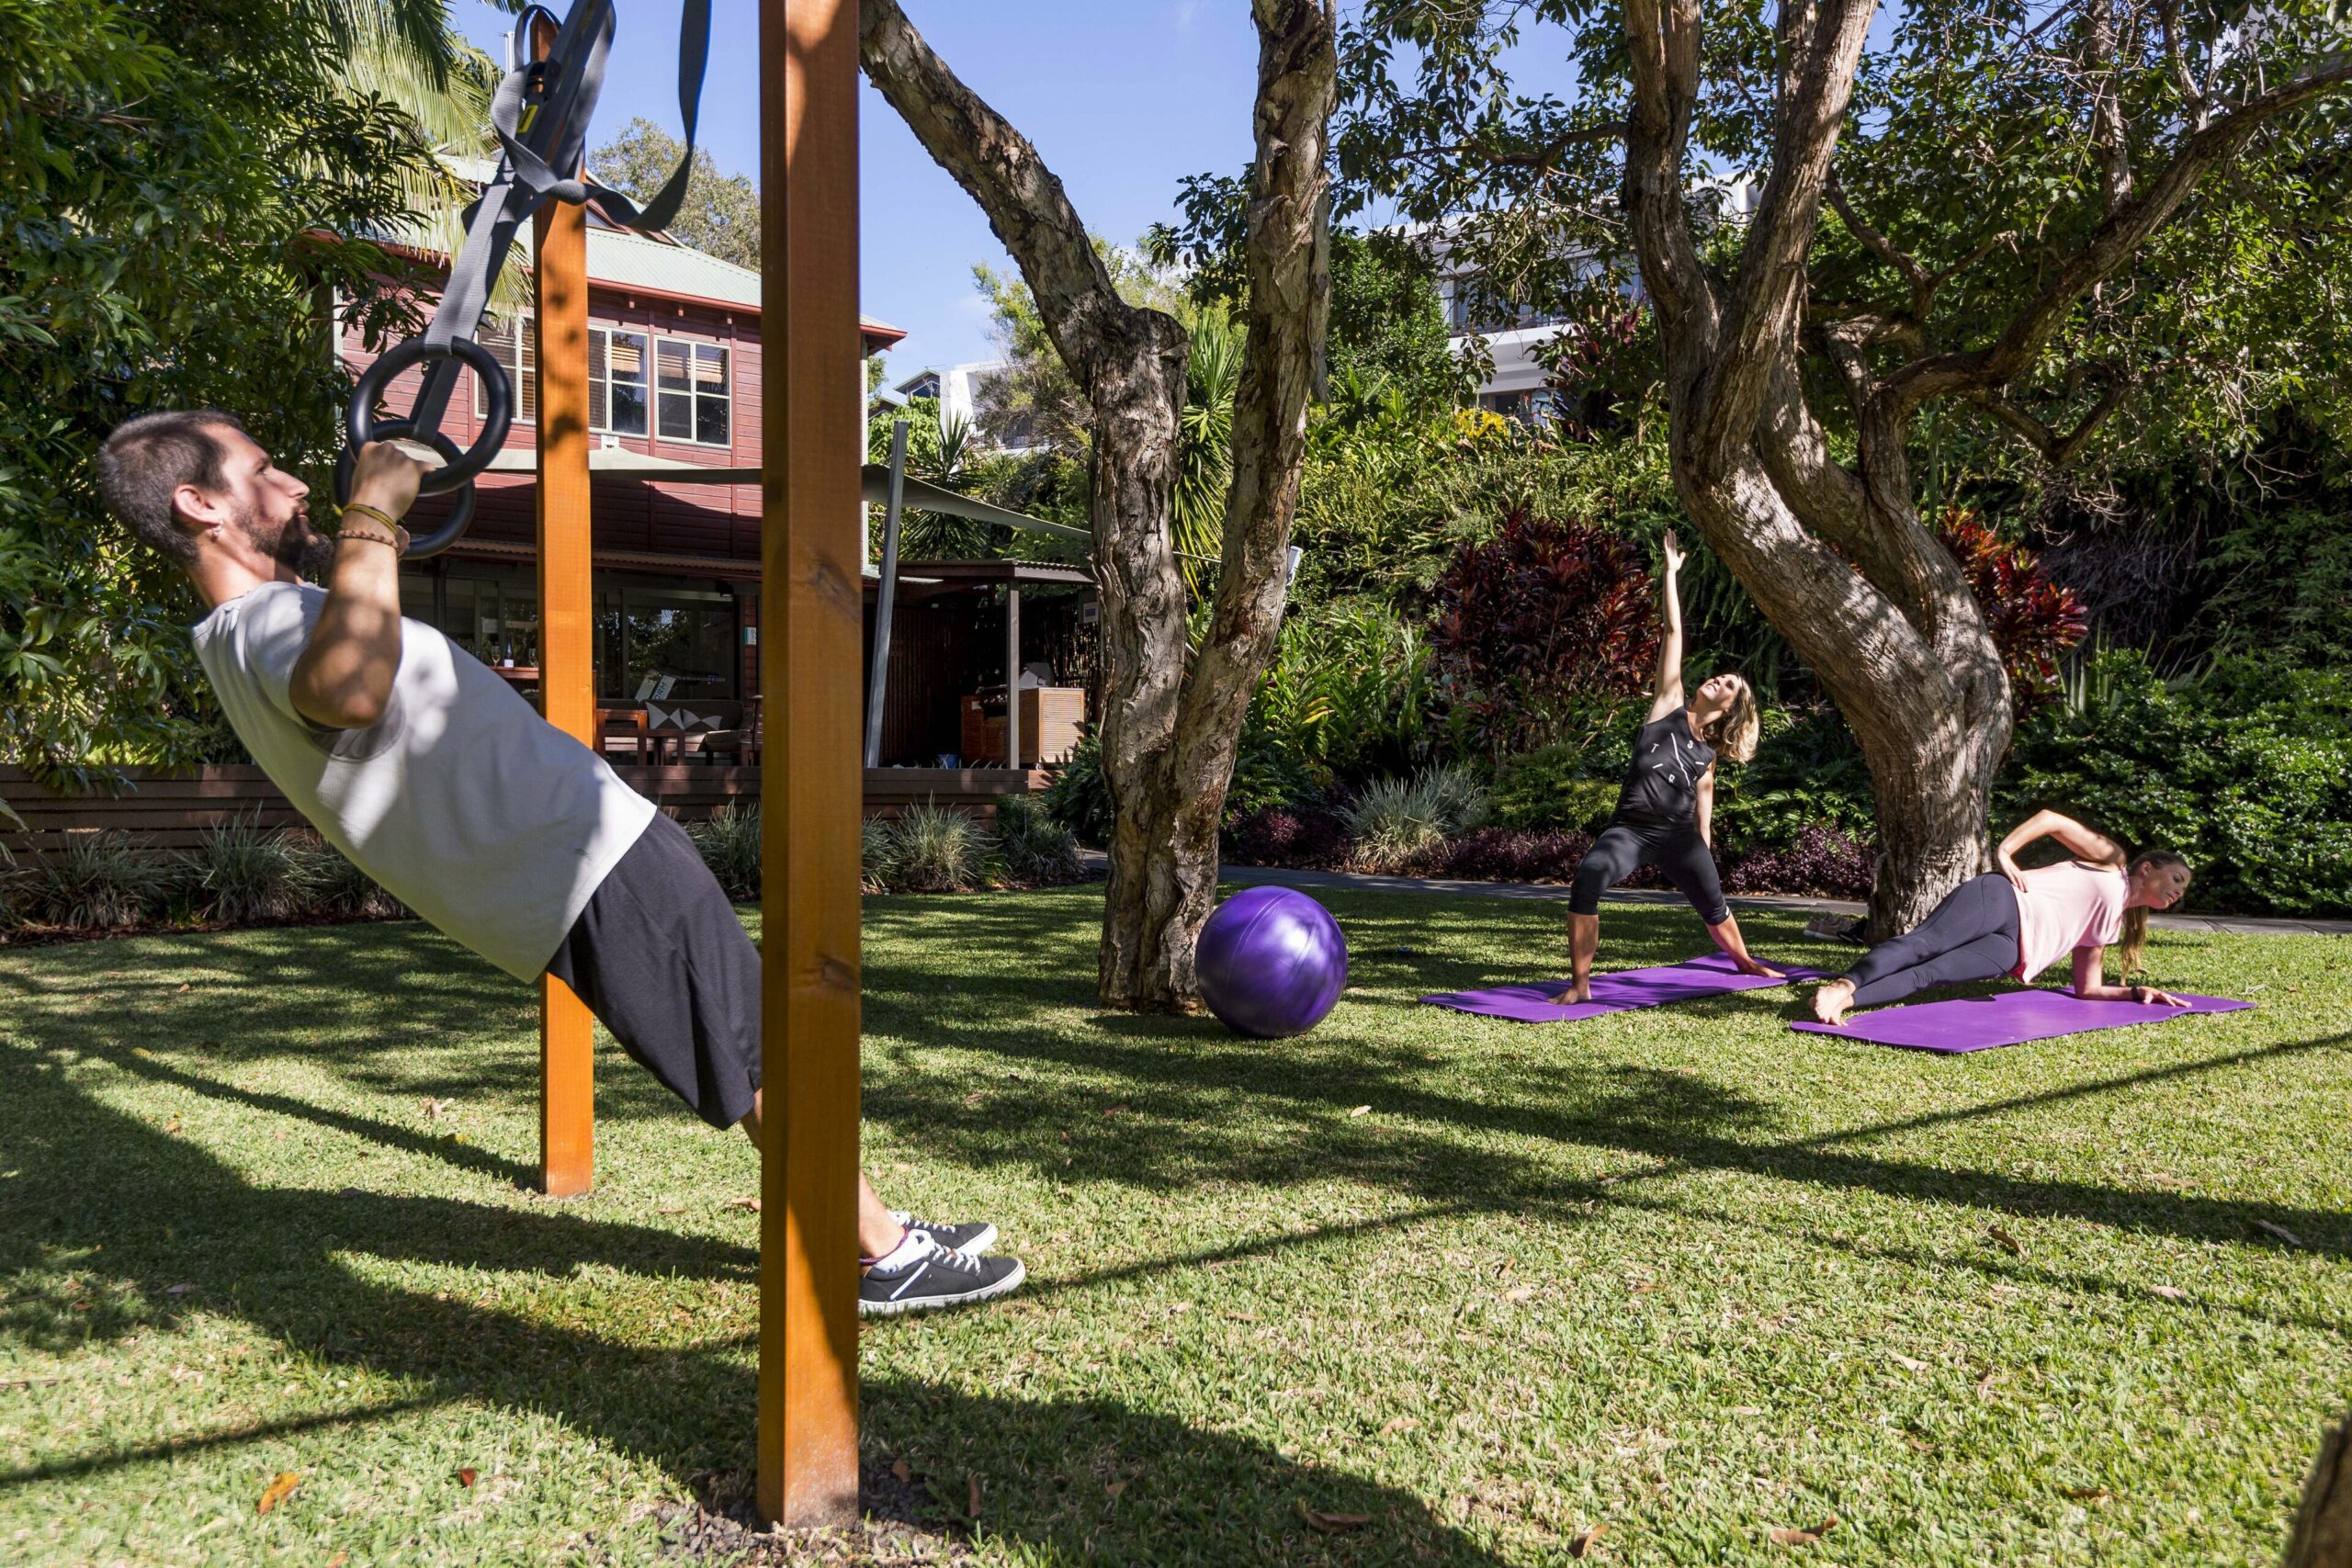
x,y
721,215
1563,786
1349,693
2247,771
728,842
1078,796
341,889
1808,772
877,851
1395,820
179,187
2284,586
1388,329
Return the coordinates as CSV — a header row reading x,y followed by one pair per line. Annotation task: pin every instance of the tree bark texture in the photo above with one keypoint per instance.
x,y
1168,738
1836,557
2322,1535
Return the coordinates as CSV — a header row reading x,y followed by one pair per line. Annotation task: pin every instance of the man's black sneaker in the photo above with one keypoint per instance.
x,y
930,1276
977,1236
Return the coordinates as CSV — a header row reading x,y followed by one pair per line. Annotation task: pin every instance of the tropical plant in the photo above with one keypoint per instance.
x,y
340,887
878,853
1204,447
1078,796
2034,620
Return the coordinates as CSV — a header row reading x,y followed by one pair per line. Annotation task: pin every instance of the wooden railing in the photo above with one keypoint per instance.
x,y
172,809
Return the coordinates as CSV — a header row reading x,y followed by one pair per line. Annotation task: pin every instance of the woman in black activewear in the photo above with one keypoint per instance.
x,y
1661,817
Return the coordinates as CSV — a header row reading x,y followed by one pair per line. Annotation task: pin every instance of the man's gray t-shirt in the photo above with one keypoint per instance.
x,y
462,801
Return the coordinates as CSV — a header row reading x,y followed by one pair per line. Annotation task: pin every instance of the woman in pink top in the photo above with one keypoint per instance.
x,y
2018,923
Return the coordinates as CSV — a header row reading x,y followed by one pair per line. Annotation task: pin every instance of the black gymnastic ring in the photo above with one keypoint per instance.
x,y
360,424
462,510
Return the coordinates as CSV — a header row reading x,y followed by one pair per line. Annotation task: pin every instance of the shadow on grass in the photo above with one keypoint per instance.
x,y
137,1208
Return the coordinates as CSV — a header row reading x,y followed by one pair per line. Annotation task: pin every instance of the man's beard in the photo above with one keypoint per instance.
x,y
296,545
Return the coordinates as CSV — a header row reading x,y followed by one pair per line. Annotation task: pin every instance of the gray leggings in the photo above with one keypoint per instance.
x,y
1972,935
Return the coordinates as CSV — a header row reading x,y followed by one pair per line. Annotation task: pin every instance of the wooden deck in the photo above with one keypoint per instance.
x,y
174,810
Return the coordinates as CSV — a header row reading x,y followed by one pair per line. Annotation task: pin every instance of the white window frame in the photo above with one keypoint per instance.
x,y
526,394
727,377
646,366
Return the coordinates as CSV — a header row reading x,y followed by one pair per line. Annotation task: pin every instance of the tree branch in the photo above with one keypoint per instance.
x,y
1662,48
1761,312
2058,451
1287,310
2107,133
1878,245
2112,244
1026,207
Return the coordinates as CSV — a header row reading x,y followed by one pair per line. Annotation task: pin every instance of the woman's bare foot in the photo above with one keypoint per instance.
x,y
1579,994
1831,1000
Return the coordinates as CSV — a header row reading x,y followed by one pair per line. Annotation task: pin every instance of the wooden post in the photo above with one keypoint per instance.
x,y
812,556
566,656
1013,676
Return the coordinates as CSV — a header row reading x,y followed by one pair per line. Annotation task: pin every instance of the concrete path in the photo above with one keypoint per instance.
x,y
1556,892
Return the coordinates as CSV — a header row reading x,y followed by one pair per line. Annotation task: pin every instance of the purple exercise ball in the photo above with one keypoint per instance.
x,y
1271,962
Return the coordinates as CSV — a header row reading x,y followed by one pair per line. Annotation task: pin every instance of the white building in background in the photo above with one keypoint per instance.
x,y
959,390
1516,384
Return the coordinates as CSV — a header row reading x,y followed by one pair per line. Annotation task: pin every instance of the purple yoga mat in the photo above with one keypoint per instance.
x,y
2012,1018
1709,975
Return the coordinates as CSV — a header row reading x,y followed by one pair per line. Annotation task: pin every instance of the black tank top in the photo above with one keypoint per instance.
x,y
1662,787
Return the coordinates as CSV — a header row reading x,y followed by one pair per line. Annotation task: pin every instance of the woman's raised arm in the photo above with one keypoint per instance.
x,y
1669,689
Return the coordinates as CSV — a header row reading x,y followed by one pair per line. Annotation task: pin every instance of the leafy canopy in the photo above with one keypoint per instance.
x,y
183,188
1984,146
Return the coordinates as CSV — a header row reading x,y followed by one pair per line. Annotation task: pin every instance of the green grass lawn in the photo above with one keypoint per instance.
x,y
1679,1273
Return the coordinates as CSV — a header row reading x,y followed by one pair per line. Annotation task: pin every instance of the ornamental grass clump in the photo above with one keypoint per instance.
x,y
340,889
729,842
1396,821
103,881
1036,851
935,850
242,873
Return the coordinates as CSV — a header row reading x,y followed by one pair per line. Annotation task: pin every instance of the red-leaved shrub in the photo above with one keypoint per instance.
x,y
1308,836
1535,617
2034,619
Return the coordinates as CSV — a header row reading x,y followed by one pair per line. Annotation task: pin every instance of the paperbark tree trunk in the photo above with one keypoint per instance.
x,y
2322,1536
1168,734
1835,556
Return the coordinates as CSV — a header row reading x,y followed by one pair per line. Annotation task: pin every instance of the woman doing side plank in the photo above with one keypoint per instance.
x,y
2018,923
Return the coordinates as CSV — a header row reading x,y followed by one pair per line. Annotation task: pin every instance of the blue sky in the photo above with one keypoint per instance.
x,y
1122,98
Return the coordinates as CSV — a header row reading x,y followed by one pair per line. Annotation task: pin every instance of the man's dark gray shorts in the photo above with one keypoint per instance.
x,y
658,955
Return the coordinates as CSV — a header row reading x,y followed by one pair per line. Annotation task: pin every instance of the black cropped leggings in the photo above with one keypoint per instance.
x,y
1972,935
1674,848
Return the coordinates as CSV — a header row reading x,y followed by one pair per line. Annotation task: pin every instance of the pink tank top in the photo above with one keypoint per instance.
x,y
2065,907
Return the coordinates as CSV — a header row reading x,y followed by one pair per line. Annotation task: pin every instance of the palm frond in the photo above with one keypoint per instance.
x,y
1204,469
